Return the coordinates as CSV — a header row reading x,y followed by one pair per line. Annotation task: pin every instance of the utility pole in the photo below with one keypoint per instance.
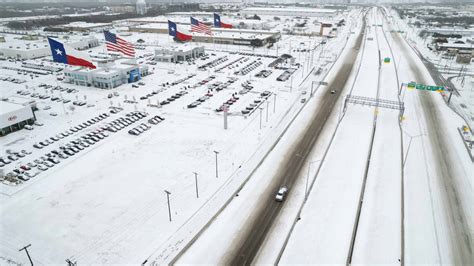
x,y
217,172
169,207
260,108
196,179
25,248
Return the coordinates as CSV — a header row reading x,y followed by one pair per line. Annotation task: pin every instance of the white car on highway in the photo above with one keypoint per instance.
x,y
282,191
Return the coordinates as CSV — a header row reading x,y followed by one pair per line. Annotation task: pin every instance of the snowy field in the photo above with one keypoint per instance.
x,y
108,205
107,213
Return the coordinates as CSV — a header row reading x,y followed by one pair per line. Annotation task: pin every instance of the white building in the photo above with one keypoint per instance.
x,y
289,11
175,54
107,76
36,49
141,7
14,116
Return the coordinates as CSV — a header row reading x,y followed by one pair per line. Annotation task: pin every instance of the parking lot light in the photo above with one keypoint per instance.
x,y
169,207
217,172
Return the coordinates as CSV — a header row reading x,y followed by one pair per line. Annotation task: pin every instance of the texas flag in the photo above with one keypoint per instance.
x,y
173,31
219,24
67,55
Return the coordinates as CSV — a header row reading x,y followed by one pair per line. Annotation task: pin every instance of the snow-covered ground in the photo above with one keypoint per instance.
x,y
104,212
438,183
459,74
93,209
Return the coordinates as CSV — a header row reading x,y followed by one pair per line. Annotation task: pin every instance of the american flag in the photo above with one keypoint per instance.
x,y
116,44
197,26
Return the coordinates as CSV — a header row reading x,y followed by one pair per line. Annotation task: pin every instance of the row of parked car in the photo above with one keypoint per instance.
x,y
58,88
72,130
249,67
13,156
179,81
122,122
50,159
247,86
204,81
257,102
253,54
264,73
213,63
174,97
226,105
144,127
200,100
286,74
14,80
231,64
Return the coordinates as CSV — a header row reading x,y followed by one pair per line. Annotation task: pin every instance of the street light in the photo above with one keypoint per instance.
x,y
409,144
169,207
25,248
307,178
307,175
217,173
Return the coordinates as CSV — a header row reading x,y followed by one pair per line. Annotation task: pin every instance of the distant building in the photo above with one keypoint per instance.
x,y
84,26
141,7
36,49
122,9
174,54
221,36
107,76
288,11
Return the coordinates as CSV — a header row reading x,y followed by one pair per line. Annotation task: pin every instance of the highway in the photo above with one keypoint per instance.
x,y
268,210
450,179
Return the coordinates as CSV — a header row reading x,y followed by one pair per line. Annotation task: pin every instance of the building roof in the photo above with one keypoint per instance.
x,y
8,107
289,10
457,45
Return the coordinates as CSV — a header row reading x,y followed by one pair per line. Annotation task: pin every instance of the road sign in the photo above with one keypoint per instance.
x,y
414,85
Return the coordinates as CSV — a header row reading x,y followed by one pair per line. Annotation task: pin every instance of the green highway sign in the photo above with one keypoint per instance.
x,y
414,85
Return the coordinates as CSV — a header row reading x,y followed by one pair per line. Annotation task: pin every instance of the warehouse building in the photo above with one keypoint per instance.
x,y
107,76
220,36
36,49
175,54
14,116
289,11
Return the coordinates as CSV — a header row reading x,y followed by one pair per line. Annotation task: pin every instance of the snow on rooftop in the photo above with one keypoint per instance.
x,y
291,9
8,107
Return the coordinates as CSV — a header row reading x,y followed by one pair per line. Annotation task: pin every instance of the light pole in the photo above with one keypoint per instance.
x,y
196,179
25,248
169,207
408,148
217,173
307,178
260,108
